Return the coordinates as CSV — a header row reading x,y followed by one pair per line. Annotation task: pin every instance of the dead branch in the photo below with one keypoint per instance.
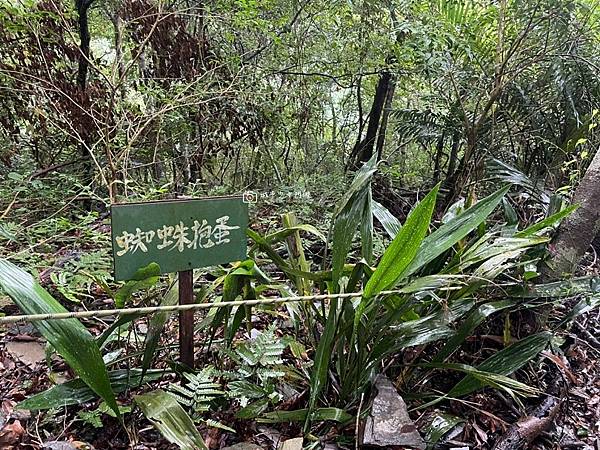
x,y
527,428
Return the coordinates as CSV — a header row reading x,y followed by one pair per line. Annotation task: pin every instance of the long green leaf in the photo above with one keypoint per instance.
x,y
468,326
281,264
366,228
504,362
75,392
439,426
556,289
350,212
299,415
360,181
499,246
144,278
434,282
547,222
69,337
344,229
280,235
403,248
390,223
167,415
318,375
156,325
488,378
254,409
454,230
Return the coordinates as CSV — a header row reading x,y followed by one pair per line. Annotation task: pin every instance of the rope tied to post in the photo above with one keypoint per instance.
x,y
187,307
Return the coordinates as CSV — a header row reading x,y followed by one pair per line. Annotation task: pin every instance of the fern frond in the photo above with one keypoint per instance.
x,y
215,424
266,374
199,391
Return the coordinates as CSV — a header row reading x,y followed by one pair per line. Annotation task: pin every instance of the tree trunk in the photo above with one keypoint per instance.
x,y
452,171
117,22
84,38
363,150
84,48
439,150
576,233
387,109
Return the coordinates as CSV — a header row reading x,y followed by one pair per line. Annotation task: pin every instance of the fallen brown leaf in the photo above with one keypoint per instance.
x,y
11,434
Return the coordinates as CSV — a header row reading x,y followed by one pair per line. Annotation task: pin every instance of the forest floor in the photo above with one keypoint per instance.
x,y
24,371
26,368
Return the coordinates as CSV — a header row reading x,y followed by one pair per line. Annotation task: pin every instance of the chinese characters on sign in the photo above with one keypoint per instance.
x,y
178,234
178,237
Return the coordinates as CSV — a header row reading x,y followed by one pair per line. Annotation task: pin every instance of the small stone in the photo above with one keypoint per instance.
x,y
389,423
67,445
58,445
254,333
29,352
293,444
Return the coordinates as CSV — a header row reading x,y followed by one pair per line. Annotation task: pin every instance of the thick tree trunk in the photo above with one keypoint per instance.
x,y
576,233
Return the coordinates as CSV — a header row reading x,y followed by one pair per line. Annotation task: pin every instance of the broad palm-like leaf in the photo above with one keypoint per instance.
x,y
69,337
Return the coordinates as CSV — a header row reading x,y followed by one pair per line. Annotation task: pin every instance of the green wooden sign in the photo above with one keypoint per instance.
x,y
178,234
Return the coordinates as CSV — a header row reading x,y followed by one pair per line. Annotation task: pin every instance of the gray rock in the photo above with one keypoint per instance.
x,y
66,445
28,352
58,445
293,444
389,423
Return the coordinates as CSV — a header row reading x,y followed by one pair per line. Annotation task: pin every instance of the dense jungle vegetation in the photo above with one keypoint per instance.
x,y
431,170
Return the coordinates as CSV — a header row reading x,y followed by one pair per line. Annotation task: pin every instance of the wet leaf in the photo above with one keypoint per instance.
x,y
468,326
318,375
504,362
162,409
403,248
547,222
280,235
300,415
254,409
350,212
75,391
156,325
144,278
69,337
439,426
390,223
454,230
488,378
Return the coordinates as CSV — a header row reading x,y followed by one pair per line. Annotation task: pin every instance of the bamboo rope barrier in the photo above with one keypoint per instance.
x,y
191,307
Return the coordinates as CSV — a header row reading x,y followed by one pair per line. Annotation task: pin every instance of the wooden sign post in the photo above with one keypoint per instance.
x,y
186,318
179,235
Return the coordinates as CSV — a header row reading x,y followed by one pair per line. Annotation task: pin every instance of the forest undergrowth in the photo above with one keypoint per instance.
x,y
471,339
